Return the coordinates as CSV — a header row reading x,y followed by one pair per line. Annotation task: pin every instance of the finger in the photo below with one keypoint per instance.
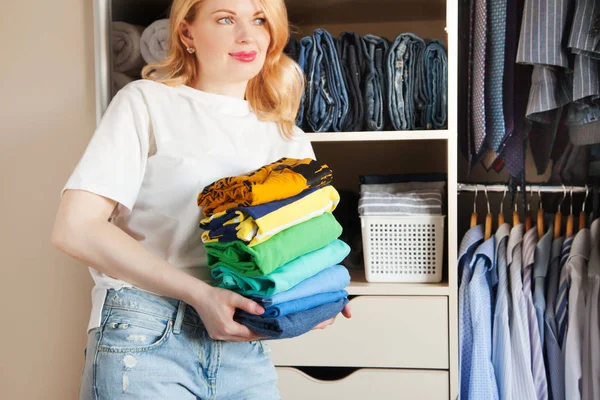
x,y
324,324
346,311
239,330
244,338
248,305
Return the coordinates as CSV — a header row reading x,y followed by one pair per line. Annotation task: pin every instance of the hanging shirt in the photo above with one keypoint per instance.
x,y
577,272
469,243
523,388
537,358
482,384
155,149
554,357
501,349
540,270
591,329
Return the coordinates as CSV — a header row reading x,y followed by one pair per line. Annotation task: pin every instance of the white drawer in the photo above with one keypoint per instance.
x,y
372,384
384,331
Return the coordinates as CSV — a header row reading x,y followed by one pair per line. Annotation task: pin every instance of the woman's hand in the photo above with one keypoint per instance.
x,y
216,308
346,312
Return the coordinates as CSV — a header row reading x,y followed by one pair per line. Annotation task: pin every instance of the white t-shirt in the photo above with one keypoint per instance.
x,y
155,149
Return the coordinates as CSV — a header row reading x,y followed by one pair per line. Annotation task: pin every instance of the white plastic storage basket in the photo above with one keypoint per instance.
x,y
403,249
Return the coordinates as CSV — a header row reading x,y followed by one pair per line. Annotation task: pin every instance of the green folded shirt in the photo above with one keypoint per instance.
x,y
286,277
285,246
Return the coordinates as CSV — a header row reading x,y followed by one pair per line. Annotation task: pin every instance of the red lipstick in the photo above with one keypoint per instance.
x,y
244,56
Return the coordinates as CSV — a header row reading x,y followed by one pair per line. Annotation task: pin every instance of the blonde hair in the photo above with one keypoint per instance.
x,y
273,94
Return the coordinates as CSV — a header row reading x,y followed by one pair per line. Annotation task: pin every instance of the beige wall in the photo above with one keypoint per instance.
x,y
46,120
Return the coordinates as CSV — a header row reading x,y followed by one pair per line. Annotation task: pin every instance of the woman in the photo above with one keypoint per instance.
x,y
223,103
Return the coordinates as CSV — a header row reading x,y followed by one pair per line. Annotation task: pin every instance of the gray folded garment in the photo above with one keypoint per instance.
x,y
401,199
119,80
420,202
154,44
126,54
401,187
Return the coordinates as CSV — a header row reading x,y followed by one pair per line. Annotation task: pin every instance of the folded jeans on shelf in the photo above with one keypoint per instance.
x,y
327,105
349,47
375,50
406,82
435,115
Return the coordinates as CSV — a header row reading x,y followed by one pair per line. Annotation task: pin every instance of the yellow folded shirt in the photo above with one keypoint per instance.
x,y
254,231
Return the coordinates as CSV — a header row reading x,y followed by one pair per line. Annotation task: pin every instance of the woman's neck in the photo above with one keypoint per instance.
x,y
237,89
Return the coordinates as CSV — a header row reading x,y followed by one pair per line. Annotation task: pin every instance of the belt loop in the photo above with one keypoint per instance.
x,y
179,318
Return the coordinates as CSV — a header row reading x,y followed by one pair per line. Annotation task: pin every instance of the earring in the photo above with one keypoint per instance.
x,y
191,50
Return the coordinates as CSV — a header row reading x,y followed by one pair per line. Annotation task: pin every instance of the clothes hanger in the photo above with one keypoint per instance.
x,y
540,216
474,215
488,217
558,216
501,214
528,221
516,219
570,217
582,221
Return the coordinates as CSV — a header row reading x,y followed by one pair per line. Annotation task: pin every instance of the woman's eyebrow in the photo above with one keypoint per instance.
x,y
260,12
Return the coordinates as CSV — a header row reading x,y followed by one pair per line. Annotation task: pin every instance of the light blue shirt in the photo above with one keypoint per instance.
x,y
482,385
523,384
501,351
470,241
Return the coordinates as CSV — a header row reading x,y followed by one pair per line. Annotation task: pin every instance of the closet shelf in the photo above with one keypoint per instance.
x,y
378,135
359,286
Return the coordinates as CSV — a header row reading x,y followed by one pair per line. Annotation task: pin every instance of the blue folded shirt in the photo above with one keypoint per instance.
x,y
331,279
302,304
292,325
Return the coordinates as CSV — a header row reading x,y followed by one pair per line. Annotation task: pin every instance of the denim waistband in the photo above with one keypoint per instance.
x,y
149,303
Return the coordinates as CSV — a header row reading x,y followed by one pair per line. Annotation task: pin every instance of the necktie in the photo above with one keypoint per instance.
x,y
494,75
478,94
561,306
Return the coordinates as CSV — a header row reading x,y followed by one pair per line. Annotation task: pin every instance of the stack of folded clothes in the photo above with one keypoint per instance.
x,y
270,235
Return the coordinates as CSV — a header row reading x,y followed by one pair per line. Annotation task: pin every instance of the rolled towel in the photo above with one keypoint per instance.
x,y
127,57
119,80
155,41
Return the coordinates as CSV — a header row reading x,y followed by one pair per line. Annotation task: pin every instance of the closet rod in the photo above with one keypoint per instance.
x,y
468,187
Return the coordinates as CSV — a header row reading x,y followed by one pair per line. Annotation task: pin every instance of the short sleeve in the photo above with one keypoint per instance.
x,y
114,162
305,149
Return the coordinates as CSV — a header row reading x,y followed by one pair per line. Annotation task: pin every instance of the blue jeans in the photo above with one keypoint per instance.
x,y
304,50
327,106
153,347
406,85
375,51
436,82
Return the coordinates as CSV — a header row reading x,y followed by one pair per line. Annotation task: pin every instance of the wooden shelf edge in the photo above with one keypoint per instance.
x,y
377,136
359,286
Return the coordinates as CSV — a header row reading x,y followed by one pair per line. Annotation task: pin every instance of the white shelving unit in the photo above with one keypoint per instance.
x,y
403,338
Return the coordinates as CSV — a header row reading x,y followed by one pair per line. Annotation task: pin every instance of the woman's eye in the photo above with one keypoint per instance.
x,y
259,21
225,21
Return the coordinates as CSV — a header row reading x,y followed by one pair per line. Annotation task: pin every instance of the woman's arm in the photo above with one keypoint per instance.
x,y
82,230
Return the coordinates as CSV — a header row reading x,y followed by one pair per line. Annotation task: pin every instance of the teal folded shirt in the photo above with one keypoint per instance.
x,y
285,246
286,277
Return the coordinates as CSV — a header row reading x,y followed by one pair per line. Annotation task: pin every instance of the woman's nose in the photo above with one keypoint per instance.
x,y
244,33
